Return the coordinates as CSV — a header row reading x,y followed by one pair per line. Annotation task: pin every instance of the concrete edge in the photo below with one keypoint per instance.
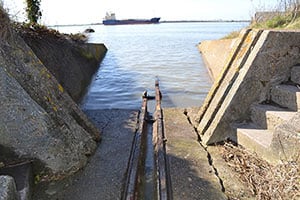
x,y
228,89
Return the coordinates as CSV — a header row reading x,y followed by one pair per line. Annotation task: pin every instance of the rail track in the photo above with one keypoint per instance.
x,y
148,174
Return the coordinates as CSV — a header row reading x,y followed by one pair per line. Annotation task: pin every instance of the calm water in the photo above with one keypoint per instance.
x,y
138,54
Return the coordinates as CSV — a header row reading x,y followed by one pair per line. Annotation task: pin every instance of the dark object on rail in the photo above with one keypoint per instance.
x,y
148,171
89,30
145,95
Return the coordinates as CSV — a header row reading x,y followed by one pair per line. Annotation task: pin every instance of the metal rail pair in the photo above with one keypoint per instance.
x,y
148,175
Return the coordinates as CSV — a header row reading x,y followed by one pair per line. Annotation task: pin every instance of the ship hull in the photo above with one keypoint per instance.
x,y
131,21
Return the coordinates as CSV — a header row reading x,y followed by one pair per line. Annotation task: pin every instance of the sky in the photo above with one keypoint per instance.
x,y
92,11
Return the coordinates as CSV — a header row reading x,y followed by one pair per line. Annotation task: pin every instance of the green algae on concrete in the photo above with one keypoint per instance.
x,y
72,63
39,120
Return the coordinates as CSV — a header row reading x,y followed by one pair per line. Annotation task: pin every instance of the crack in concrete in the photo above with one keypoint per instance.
x,y
107,122
209,158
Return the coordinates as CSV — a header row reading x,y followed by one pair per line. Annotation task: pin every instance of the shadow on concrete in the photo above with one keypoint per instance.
x,y
102,178
187,183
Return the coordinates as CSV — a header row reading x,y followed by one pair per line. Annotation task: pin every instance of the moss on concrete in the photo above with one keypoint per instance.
x,y
72,63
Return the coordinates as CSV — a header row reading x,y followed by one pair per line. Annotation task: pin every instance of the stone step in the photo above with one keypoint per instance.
x,y
268,116
295,74
255,139
287,96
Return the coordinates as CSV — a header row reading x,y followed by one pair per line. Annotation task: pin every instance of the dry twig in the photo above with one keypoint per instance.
x,y
281,181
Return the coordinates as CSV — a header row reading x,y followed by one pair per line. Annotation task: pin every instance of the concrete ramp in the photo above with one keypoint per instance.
x,y
259,61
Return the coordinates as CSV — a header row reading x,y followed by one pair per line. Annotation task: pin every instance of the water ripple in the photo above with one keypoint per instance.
x,y
139,53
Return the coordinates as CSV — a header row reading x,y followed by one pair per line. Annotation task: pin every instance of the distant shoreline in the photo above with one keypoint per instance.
x,y
191,21
177,21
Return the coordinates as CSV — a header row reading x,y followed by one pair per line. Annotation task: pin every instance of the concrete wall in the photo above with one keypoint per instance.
x,y
73,64
215,53
39,121
261,60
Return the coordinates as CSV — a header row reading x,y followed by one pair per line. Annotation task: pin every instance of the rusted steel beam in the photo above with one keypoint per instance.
x,y
160,184
130,191
164,187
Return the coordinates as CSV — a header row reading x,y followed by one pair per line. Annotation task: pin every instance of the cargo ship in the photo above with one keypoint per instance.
x,y
110,19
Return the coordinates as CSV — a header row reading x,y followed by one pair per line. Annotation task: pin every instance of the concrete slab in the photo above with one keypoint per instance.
x,y
196,173
295,74
252,137
191,174
103,177
287,96
257,140
192,114
234,187
269,116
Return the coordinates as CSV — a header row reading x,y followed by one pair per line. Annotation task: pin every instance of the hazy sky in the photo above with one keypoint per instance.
x,y
93,11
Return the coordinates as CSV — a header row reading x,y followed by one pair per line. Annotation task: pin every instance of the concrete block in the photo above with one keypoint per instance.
x,y
253,137
222,90
286,141
295,74
267,116
256,140
286,144
8,188
287,96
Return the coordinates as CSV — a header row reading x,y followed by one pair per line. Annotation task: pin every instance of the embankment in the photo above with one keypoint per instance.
x,y
72,63
39,121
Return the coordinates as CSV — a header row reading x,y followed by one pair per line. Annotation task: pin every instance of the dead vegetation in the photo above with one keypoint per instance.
x,y
33,30
5,30
267,182
40,31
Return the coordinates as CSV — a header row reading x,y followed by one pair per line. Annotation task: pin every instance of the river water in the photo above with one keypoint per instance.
x,y
138,54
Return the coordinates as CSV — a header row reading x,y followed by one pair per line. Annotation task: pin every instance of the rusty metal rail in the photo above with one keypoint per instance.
x,y
159,140
148,148
130,190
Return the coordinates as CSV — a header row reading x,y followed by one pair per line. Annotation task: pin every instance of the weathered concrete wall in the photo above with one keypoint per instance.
x,y
263,60
215,53
39,120
73,64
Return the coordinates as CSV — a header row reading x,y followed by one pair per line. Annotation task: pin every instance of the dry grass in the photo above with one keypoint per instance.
x,y
40,31
232,35
267,182
6,32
